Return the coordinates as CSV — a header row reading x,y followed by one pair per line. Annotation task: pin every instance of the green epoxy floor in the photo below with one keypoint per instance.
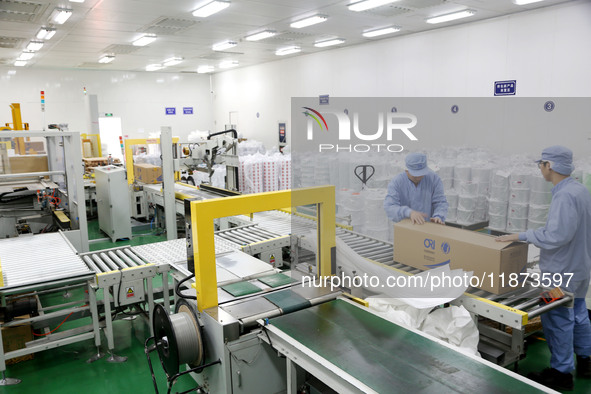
x,y
141,235
64,370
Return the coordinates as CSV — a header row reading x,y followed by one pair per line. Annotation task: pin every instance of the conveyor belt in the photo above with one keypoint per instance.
x,y
42,258
391,359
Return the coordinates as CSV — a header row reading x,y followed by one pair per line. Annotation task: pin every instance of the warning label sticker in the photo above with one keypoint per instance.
x,y
130,292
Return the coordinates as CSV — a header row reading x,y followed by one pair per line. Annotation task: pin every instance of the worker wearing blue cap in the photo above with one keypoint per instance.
x,y
565,256
416,194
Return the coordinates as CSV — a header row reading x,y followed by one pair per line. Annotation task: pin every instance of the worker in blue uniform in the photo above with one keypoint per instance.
x,y
416,194
565,257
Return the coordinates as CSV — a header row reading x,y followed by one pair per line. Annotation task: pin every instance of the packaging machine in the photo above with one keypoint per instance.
x,y
230,336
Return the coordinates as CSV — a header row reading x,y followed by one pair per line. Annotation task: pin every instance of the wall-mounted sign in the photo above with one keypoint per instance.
x,y
187,110
170,111
505,88
282,135
323,99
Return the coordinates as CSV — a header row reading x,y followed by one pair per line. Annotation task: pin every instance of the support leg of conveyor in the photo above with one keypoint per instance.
x,y
95,324
165,292
151,303
8,381
113,358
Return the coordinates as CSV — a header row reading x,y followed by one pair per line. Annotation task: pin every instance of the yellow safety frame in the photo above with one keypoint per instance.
x,y
203,213
129,154
97,138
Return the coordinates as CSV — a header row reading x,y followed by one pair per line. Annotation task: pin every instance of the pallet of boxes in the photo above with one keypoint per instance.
x,y
16,336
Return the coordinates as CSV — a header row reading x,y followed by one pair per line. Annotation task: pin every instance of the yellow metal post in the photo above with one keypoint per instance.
x,y
17,124
202,230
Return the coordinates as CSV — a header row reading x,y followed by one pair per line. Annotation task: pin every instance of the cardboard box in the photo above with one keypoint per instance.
x,y
432,245
14,338
28,163
147,173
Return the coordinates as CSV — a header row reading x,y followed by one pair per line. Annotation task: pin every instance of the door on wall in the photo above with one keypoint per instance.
x,y
110,130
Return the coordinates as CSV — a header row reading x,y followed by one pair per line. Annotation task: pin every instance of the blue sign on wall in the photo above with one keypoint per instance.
x,y
170,111
187,110
505,88
323,99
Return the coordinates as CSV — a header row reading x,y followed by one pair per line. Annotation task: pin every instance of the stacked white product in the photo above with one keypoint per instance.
x,y
481,176
468,194
271,170
218,179
519,190
577,175
499,201
251,169
452,202
446,173
539,202
353,208
376,222
587,178
285,172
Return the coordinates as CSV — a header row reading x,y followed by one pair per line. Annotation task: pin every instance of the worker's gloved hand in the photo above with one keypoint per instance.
x,y
437,220
418,217
507,238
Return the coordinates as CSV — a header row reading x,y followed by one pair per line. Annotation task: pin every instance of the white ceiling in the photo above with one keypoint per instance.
x,y
99,27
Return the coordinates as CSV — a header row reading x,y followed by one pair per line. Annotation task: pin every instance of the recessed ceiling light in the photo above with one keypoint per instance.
x,y
205,69
45,33
524,2
154,67
380,32
60,15
11,72
288,50
20,63
144,40
173,61
26,56
229,64
210,8
34,46
451,17
107,59
76,1
261,35
328,43
224,45
368,4
309,21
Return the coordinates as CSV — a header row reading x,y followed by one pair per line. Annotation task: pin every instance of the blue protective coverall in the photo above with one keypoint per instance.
x,y
403,196
565,248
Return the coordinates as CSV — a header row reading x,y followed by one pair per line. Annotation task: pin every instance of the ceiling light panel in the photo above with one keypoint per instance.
x,y
222,46
288,50
524,2
34,46
329,43
154,67
45,33
380,32
261,35
26,56
313,20
211,7
106,59
144,40
450,17
20,63
229,64
173,61
60,15
368,4
205,69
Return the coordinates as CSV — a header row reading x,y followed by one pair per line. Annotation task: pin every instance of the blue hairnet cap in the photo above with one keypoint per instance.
x,y
416,163
561,159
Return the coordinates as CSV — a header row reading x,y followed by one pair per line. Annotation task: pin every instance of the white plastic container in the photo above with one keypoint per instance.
x,y
499,193
519,196
483,189
463,173
452,198
519,180
481,175
538,213
448,183
446,172
497,208
517,211
480,215
515,225
468,189
465,217
452,214
500,179
539,185
497,222
467,203
540,198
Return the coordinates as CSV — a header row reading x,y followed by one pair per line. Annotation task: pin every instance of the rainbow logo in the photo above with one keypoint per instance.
x,y
315,118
